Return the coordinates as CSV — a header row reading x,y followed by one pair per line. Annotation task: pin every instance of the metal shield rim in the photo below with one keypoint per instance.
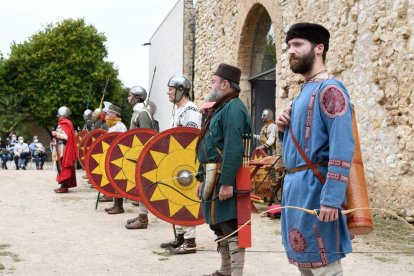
x,y
87,169
111,149
141,159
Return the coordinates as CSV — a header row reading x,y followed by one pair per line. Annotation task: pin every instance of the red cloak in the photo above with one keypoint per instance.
x,y
70,154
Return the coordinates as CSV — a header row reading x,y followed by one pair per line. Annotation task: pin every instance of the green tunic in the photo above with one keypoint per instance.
x,y
225,132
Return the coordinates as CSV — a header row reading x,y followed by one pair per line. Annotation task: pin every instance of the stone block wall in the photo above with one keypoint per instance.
x,y
371,51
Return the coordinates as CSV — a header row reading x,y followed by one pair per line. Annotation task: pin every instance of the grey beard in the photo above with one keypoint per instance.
x,y
213,96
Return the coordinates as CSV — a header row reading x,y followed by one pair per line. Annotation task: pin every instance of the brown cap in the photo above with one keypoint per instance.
x,y
228,72
115,109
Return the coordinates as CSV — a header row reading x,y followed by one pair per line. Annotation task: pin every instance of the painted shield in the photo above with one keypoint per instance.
x,y
79,137
165,176
121,160
86,142
95,164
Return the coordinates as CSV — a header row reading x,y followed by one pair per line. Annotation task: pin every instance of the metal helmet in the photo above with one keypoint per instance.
x,y
96,114
140,94
267,115
87,114
63,111
182,85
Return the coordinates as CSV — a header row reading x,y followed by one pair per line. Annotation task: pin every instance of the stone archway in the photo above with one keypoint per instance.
x,y
257,25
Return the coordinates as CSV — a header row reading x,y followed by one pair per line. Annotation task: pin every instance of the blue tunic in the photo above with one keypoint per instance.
x,y
321,120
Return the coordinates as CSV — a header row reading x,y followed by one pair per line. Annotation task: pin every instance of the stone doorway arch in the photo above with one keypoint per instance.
x,y
257,60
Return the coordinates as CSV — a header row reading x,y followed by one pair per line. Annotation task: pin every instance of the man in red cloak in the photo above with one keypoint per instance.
x,y
65,148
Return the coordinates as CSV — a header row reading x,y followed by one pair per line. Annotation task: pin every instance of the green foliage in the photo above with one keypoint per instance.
x,y
58,66
13,113
269,54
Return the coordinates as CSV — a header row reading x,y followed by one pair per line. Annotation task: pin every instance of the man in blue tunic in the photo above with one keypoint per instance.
x,y
320,121
221,142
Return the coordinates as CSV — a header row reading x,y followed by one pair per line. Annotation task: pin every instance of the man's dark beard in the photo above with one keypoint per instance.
x,y
304,64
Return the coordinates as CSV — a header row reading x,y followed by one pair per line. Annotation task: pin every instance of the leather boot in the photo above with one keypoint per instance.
x,y
132,220
236,256
179,240
105,199
118,207
185,247
62,190
109,208
218,273
140,223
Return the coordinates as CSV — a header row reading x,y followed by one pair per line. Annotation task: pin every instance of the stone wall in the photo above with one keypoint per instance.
x,y
371,51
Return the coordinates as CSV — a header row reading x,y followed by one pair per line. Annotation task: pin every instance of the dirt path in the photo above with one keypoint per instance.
x,y
42,233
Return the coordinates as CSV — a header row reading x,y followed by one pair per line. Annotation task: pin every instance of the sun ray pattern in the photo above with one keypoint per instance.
x,y
169,154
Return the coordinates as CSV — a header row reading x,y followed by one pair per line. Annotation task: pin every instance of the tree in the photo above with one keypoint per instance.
x,y
13,113
58,66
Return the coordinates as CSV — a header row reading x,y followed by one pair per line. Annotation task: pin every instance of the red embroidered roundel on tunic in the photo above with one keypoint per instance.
x,y
333,101
297,240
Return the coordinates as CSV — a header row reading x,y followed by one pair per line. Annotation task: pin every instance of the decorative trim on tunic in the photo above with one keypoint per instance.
x,y
305,265
309,120
339,163
188,108
321,246
322,253
333,101
337,176
297,240
192,124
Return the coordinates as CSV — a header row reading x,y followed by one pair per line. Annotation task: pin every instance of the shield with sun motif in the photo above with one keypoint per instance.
x,y
165,176
95,164
86,142
121,160
79,137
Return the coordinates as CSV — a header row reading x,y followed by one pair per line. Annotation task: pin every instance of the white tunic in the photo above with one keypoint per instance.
x,y
187,115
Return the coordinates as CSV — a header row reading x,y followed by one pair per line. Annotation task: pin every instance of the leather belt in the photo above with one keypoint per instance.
x,y
305,167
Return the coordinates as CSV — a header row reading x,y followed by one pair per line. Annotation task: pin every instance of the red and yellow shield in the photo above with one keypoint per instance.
x,y
165,176
95,164
121,160
79,137
86,142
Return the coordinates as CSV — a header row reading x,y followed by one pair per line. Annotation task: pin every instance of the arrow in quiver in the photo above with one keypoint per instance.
x,y
86,142
79,137
165,176
95,164
121,160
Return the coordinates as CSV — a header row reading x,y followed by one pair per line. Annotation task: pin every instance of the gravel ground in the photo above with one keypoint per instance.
x,y
43,233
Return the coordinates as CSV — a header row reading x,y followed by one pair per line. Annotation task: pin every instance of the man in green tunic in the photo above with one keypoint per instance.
x,y
221,141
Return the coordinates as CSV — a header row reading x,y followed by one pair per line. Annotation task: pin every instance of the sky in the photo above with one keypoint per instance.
x,y
127,24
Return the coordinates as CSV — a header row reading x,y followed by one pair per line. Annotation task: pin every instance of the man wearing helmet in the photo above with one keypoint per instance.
x,y
185,113
65,150
141,118
87,117
267,136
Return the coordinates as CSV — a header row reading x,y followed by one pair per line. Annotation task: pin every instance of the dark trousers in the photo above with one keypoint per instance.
x,y
40,160
225,228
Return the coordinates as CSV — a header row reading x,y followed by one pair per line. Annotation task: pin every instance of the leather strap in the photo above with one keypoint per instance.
x,y
305,167
317,173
